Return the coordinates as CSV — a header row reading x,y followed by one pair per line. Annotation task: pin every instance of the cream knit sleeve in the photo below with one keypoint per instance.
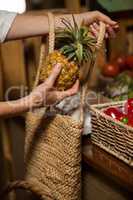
x,y
6,20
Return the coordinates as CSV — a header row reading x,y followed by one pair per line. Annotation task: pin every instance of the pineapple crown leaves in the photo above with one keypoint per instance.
x,y
76,43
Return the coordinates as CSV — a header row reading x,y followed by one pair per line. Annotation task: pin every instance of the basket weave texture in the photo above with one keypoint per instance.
x,y
53,156
111,135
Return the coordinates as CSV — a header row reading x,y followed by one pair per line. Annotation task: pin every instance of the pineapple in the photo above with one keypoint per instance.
x,y
73,47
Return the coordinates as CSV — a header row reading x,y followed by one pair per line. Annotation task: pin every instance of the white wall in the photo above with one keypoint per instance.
x,y
13,5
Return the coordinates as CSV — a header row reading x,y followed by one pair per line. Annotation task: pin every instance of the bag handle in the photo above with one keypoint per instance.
x,y
98,46
31,186
51,44
92,64
51,41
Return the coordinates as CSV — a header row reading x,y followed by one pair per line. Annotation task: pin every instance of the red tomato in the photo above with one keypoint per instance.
x,y
111,70
121,62
128,107
129,61
114,113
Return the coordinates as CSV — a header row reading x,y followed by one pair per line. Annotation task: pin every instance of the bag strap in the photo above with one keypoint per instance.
x,y
51,40
33,187
101,35
51,44
92,64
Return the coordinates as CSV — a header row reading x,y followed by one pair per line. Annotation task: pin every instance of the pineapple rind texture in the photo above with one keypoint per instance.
x,y
69,70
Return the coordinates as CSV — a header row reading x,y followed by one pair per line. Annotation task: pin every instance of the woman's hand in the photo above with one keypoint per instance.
x,y
42,95
93,18
45,94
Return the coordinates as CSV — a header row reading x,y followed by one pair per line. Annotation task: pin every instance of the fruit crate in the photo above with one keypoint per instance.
x,y
112,135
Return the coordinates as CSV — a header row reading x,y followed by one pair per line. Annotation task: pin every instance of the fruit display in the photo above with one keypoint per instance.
x,y
117,78
124,114
73,46
119,64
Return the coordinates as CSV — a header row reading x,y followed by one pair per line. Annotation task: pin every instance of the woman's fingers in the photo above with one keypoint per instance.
x,y
73,90
52,78
93,30
96,26
107,20
54,96
111,26
69,92
111,31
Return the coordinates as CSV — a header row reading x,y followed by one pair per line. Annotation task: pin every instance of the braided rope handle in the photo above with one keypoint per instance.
x,y
101,36
51,43
85,86
51,32
42,52
24,185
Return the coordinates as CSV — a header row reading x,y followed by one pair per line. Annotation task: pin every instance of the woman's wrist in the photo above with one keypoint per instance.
x,y
34,101
23,104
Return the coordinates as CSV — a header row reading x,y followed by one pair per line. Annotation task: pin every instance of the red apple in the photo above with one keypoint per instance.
x,y
111,70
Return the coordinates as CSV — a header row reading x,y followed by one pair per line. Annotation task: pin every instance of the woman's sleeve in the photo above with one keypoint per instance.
x,y
6,20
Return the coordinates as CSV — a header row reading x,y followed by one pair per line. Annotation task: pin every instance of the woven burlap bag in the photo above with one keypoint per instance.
x,y
53,145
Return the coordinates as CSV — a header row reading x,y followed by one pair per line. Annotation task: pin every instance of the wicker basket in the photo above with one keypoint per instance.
x,y
111,135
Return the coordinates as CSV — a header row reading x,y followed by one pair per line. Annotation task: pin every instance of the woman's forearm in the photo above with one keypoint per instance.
x,y
29,25
12,108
